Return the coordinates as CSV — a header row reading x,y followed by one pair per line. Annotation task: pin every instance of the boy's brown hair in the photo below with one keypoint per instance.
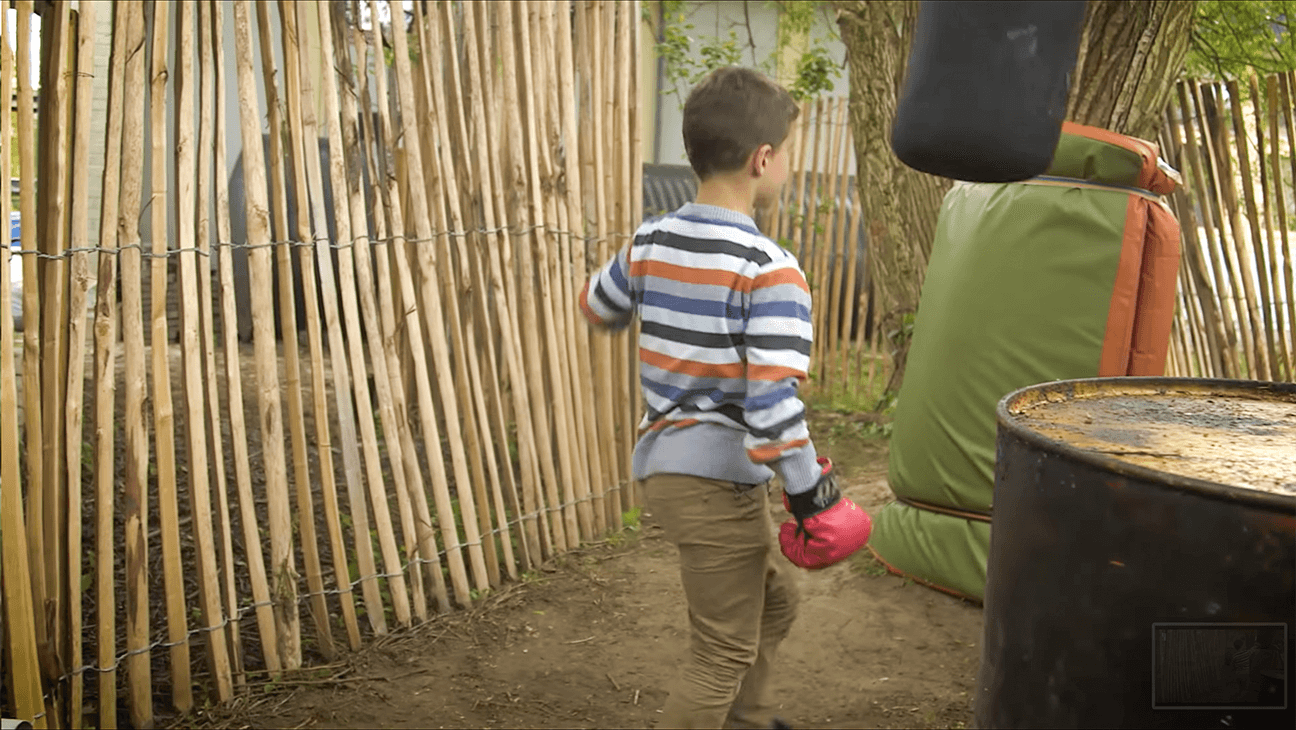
x,y
731,113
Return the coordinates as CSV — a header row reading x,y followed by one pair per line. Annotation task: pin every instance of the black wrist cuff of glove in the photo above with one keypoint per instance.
x,y
823,495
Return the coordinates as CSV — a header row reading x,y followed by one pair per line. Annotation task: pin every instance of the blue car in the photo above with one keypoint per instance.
x,y
15,269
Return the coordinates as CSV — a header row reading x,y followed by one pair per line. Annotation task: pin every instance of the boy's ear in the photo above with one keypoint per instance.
x,y
760,158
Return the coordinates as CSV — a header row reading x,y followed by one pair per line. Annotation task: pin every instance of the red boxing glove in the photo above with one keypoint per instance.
x,y
827,527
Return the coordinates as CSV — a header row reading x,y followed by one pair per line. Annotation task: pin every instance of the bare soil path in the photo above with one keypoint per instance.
x,y
594,640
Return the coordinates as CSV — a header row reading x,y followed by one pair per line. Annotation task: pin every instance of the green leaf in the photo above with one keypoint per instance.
x,y
1230,37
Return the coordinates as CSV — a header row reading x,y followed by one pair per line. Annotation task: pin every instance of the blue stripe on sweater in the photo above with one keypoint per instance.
x,y
679,395
791,309
770,399
684,305
618,276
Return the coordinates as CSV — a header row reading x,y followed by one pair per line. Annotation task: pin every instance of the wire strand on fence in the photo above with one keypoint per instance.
x,y
143,248
303,598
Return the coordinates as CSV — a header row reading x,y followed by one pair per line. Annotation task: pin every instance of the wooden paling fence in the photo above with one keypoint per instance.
x,y
182,513
1234,142
819,218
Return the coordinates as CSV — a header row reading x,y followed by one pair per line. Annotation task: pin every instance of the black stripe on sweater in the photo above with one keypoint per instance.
x,y
671,239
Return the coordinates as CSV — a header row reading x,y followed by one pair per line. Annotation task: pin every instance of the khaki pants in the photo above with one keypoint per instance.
x,y
741,598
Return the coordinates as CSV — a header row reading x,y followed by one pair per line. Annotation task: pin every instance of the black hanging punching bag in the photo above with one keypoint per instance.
x,y
986,87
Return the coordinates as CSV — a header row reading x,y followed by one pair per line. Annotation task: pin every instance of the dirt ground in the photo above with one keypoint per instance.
x,y
595,639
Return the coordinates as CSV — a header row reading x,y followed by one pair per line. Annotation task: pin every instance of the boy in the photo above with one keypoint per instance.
x,y
724,342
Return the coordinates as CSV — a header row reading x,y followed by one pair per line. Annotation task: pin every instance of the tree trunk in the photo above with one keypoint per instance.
x,y
900,204
1131,55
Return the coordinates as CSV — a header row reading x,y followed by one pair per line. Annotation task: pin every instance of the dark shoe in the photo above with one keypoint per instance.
x,y
778,724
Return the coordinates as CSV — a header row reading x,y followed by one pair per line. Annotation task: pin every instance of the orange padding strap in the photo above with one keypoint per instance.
x,y
948,591
1152,176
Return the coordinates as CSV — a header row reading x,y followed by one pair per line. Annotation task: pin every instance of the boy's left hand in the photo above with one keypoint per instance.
x,y
826,527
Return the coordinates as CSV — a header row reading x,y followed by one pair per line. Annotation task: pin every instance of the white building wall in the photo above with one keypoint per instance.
x,y
716,19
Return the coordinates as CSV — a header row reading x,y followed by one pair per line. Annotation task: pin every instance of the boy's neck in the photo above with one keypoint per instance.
x,y
724,191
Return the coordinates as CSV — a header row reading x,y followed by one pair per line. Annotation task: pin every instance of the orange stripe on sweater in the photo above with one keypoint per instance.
x,y
773,373
585,308
773,452
690,367
690,275
788,275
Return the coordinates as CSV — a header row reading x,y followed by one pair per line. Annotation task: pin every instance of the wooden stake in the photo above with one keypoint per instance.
x,y
546,216
329,489
159,345
200,490
287,301
465,366
420,537
105,372
1211,299
612,353
18,608
1273,312
823,243
529,220
474,30
263,339
31,370
630,59
51,239
347,418
476,507
814,224
406,497
627,181
782,213
1202,185
799,213
199,487
138,671
1196,266
572,276
849,300
837,238
1287,87
414,331
1282,283
1255,269
233,376
589,33
346,179
207,336
1239,261
76,336
305,145
630,46
533,445
302,146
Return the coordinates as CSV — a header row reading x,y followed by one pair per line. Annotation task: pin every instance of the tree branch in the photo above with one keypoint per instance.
x,y
751,41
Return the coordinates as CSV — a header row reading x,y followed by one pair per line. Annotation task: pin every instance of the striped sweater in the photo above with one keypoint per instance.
x,y
725,335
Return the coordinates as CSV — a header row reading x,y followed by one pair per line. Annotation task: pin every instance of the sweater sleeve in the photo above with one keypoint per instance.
x,y
606,301
778,339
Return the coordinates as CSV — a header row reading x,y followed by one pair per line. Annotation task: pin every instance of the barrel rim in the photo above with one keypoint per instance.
x,y
1010,423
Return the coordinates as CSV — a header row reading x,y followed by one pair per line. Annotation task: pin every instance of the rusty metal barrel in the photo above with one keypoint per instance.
x,y
1142,564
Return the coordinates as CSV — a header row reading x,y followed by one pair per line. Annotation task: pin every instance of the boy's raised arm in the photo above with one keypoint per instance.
x,y
778,339
826,527
606,300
